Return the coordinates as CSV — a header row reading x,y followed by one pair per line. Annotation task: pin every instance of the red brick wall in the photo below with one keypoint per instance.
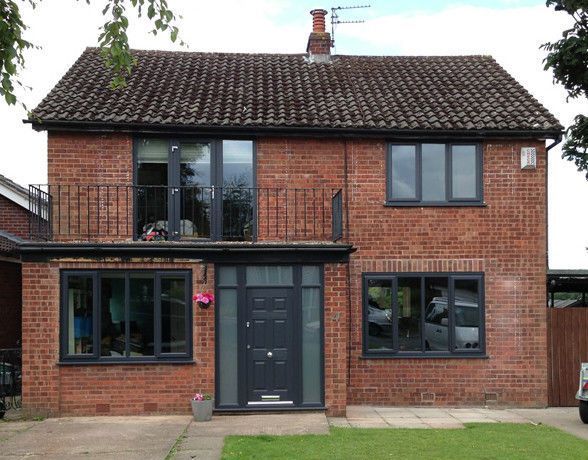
x,y
90,212
14,218
109,389
506,240
10,304
125,389
336,337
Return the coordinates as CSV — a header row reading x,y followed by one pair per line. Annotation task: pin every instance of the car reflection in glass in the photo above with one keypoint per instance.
x,y
467,322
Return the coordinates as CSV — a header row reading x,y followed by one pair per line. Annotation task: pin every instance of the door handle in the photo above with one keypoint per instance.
x,y
269,354
175,190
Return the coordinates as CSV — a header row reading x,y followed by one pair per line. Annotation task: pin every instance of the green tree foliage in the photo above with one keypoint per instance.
x,y
113,39
568,59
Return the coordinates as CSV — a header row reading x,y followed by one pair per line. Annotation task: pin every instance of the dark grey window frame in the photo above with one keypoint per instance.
x,y
451,353
449,199
216,177
95,357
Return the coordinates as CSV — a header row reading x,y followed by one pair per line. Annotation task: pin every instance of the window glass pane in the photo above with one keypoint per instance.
x,y
379,314
80,315
237,191
311,346
152,160
463,171
403,171
196,195
433,172
152,171
238,164
436,314
112,315
467,314
228,378
173,315
273,275
409,314
142,314
311,274
227,276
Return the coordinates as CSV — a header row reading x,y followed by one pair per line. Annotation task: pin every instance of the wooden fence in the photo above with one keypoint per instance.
x,y
568,347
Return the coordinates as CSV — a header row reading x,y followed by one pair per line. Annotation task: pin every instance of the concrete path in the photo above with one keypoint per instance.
x,y
421,417
564,418
204,440
101,438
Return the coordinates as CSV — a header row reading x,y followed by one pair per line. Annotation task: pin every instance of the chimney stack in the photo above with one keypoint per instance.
x,y
319,40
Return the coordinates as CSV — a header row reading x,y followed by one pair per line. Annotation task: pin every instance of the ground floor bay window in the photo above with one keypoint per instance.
x,y
269,336
425,314
125,316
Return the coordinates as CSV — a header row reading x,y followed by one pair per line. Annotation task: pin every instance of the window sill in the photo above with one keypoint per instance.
x,y
424,356
122,362
417,204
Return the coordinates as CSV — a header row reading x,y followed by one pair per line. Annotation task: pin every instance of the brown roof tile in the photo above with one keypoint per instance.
x,y
285,90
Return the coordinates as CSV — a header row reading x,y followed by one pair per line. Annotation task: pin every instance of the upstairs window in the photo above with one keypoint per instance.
x,y
434,174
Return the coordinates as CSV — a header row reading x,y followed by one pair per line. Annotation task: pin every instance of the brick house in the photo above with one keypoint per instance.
x,y
14,227
364,222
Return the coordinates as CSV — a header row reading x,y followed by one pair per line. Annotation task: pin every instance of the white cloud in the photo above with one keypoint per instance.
x,y
511,35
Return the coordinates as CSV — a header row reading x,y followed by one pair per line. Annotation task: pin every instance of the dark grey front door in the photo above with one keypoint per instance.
x,y
270,365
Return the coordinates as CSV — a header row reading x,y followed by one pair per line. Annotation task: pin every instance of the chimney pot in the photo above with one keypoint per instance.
x,y
318,20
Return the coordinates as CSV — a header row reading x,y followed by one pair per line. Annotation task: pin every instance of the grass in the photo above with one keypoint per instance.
x,y
476,441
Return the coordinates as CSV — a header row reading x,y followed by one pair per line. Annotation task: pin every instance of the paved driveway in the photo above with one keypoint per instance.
x,y
143,438
92,437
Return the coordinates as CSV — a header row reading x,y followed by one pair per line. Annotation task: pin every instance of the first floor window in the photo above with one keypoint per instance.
x,y
434,173
125,315
436,314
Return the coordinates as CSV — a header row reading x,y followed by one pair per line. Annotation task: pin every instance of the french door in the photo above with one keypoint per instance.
x,y
196,189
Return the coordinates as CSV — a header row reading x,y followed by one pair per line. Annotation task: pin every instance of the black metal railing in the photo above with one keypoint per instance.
x,y
154,213
10,379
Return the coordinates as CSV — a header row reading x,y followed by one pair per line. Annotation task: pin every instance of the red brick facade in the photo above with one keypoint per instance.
x,y
505,239
15,218
115,389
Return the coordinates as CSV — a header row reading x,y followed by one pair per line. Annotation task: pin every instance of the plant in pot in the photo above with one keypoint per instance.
x,y
204,299
202,404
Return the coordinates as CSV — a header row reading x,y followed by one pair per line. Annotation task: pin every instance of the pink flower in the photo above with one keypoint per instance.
x,y
198,397
204,297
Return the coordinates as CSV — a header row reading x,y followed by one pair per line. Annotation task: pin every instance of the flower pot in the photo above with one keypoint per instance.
x,y
203,305
202,410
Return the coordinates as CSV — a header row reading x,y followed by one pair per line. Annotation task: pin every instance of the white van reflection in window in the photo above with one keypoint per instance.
x,y
467,325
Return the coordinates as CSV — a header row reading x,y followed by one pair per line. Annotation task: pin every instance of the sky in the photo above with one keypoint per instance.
x,y
509,30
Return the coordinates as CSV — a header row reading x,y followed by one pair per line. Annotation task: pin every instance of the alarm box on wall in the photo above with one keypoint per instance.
x,y
528,157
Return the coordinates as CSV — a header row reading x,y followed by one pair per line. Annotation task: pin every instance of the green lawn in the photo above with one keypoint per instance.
x,y
477,441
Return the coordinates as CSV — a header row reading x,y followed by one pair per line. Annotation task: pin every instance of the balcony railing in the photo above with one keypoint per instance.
x,y
163,213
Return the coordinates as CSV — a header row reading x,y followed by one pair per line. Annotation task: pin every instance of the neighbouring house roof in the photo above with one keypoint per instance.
x,y
9,244
367,93
14,192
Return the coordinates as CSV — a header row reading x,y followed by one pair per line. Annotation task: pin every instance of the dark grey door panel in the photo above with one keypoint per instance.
x,y
270,377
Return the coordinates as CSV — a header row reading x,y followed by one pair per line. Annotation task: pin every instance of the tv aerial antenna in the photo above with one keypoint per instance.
x,y
335,20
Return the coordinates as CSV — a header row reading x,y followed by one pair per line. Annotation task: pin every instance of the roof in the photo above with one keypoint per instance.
x,y
9,244
372,93
14,192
